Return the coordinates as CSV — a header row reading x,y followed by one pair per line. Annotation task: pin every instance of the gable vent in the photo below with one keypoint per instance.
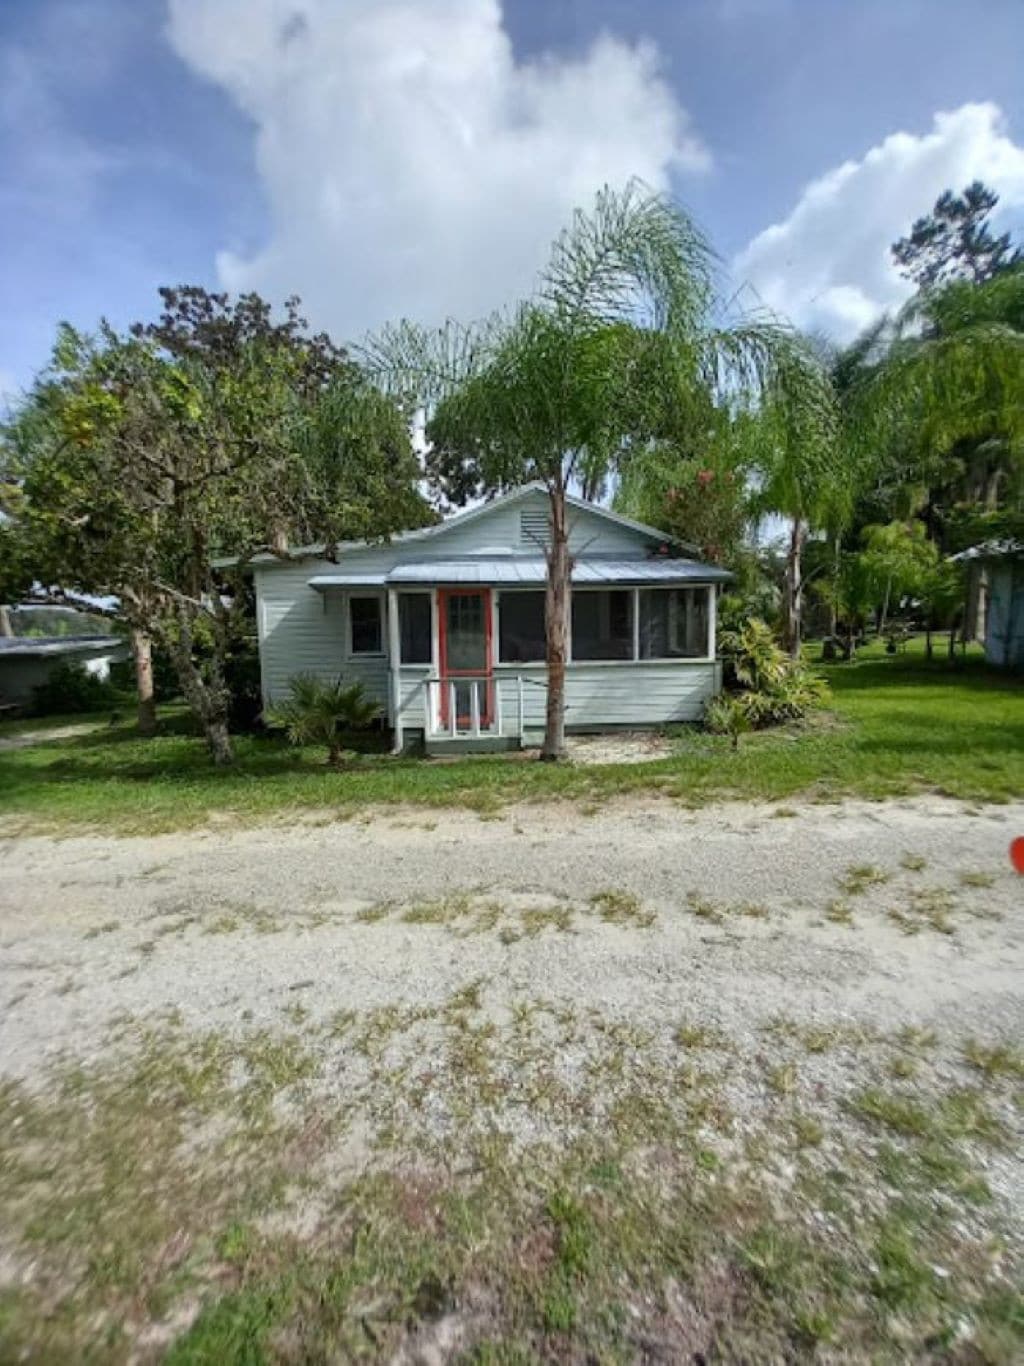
x,y
534,528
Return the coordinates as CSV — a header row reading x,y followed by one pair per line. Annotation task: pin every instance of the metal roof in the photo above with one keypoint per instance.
x,y
993,550
60,645
531,571
465,515
340,580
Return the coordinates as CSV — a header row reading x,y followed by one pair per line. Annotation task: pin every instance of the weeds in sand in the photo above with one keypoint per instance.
x,y
839,913
372,915
856,878
994,1060
782,1078
717,912
913,863
690,1035
621,908
976,879
108,927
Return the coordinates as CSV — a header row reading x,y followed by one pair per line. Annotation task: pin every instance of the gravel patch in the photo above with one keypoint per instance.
x,y
233,924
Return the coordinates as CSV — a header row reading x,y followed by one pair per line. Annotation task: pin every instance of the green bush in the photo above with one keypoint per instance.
x,y
768,686
319,713
71,688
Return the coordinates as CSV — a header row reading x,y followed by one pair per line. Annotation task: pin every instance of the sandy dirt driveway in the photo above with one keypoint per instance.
x,y
644,1085
885,913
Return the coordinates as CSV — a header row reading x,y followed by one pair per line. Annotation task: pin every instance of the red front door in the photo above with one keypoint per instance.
x,y
466,653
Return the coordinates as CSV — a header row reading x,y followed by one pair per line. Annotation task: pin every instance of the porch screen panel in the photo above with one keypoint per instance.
x,y
466,632
414,628
521,636
674,623
602,624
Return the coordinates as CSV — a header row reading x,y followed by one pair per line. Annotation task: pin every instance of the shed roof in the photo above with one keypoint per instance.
x,y
530,571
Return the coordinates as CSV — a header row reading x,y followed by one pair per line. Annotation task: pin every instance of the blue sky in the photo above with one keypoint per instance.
x,y
416,156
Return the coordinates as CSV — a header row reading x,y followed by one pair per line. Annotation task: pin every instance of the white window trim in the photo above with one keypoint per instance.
x,y
350,653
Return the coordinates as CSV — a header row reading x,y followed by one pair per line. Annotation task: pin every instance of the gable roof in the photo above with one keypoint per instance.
x,y
468,515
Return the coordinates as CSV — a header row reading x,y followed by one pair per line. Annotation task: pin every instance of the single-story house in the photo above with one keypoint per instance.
x,y
444,625
26,662
1003,566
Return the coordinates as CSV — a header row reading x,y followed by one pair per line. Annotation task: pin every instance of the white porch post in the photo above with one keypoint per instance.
x,y
712,621
395,661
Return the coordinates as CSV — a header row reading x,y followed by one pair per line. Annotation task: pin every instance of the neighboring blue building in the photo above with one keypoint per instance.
x,y
1003,563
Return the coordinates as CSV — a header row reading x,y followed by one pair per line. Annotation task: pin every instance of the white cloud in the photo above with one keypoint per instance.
x,y
412,165
827,266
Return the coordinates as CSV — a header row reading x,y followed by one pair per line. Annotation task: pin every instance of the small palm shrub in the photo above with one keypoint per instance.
x,y
770,687
319,713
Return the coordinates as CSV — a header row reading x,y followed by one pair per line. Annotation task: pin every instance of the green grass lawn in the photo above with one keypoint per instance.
x,y
895,726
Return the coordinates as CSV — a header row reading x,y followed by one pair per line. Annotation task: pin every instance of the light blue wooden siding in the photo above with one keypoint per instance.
x,y
500,533
617,694
1004,623
596,695
302,631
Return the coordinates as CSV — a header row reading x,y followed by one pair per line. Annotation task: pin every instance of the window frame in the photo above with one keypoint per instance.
x,y
351,652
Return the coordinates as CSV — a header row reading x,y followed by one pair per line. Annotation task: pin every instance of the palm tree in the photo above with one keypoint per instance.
x,y
947,402
624,331
319,713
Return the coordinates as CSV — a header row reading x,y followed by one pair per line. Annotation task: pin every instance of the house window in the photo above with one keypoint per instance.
x,y
414,628
521,635
602,624
367,633
673,623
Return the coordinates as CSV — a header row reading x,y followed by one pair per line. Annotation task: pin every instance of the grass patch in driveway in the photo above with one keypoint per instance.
x,y
903,726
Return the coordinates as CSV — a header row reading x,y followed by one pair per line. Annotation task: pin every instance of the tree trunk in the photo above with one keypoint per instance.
x,y
928,641
6,629
142,649
556,626
885,606
208,697
793,624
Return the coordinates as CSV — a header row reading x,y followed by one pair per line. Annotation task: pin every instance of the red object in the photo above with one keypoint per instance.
x,y
1017,853
450,675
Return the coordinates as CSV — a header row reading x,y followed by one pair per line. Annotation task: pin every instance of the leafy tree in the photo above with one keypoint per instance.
x,y
943,411
701,499
174,455
896,559
319,713
801,477
573,383
955,241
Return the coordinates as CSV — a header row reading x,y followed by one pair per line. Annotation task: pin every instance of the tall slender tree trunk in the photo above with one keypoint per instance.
x,y
6,629
142,651
794,604
556,625
207,696
885,606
